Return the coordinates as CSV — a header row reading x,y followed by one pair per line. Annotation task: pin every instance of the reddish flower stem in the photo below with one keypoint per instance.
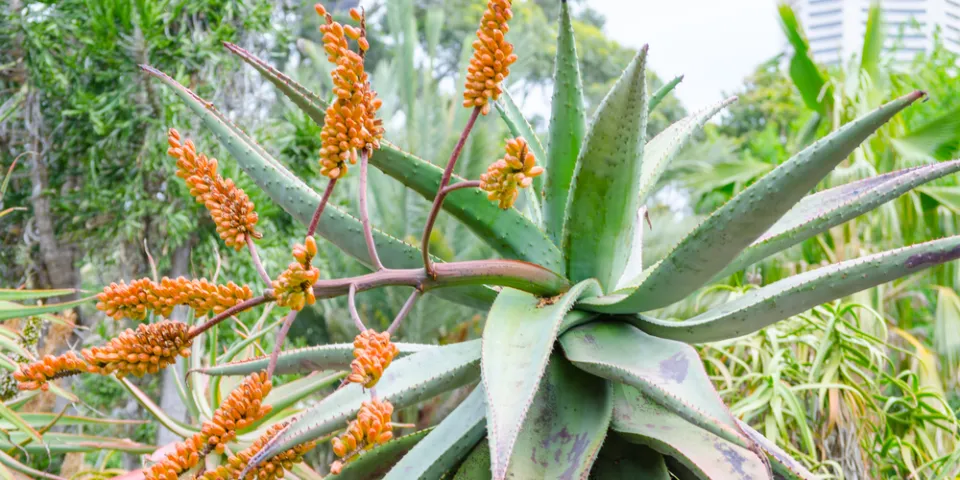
x,y
323,203
240,307
365,216
278,344
256,261
352,303
444,181
407,306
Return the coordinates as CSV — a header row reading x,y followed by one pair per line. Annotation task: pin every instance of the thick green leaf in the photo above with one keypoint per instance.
x,y
9,310
305,360
13,464
508,231
621,460
662,92
377,462
767,305
601,211
477,465
785,466
663,148
18,295
447,444
807,77
668,372
718,240
819,212
568,124
408,380
517,340
520,127
639,419
290,394
562,435
300,201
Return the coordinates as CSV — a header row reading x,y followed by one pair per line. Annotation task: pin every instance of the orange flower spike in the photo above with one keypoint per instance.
x,y
271,469
143,295
229,206
242,408
371,428
350,123
294,287
185,456
37,375
149,349
373,352
505,177
492,57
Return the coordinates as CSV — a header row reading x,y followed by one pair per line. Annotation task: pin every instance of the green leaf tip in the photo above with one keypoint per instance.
x,y
607,179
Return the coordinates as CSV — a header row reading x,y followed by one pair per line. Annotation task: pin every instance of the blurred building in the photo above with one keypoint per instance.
x,y
835,28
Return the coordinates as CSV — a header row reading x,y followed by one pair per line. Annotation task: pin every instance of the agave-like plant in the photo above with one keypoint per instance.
x,y
625,395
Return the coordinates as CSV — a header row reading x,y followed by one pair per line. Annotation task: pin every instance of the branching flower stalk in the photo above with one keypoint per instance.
x,y
351,133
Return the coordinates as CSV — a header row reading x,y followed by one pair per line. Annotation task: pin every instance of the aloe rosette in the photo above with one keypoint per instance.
x,y
575,376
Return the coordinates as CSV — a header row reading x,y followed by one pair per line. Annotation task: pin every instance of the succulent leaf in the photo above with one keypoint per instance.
x,y
517,340
446,444
619,459
59,443
638,419
300,201
509,232
668,372
289,394
663,91
408,380
523,240
664,147
477,464
767,305
718,240
821,211
378,461
567,423
783,464
305,360
568,124
601,211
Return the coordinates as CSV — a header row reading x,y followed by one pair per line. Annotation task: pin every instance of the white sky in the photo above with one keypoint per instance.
x,y
714,43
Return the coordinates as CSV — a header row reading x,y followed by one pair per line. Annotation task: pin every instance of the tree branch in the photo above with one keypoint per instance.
x,y
407,306
240,307
352,303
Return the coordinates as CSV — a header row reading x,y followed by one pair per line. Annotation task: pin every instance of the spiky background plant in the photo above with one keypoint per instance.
x,y
625,395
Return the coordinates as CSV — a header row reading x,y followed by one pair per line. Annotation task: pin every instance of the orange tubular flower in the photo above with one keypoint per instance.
x,y
373,353
147,350
230,207
143,295
350,124
505,177
270,469
242,408
294,287
492,57
371,428
37,375
185,456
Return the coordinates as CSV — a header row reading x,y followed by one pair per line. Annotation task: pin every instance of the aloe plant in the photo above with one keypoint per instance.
x,y
624,394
